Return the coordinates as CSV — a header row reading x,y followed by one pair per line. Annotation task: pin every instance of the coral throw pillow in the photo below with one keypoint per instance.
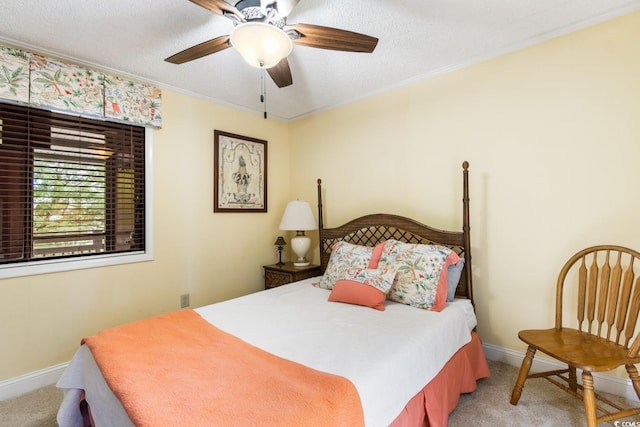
x,y
352,292
364,286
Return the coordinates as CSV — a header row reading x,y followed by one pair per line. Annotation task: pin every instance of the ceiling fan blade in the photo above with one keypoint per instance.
x,y
332,38
218,7
200,50
281,73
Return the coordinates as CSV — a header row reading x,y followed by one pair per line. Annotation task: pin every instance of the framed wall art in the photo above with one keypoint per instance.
x,y
240,173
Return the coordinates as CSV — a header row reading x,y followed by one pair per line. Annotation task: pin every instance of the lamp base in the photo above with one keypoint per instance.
x,y
300,244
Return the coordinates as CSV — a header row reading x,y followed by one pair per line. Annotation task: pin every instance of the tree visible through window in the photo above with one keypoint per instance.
x,y
68,207
69,186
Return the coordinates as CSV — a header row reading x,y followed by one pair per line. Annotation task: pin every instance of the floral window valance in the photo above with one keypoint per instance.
x,y
37,80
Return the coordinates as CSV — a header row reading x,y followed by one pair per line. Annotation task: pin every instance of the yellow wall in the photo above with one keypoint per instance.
x,y
551,133
211,256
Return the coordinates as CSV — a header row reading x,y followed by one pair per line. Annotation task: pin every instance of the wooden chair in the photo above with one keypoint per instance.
x,y
605,301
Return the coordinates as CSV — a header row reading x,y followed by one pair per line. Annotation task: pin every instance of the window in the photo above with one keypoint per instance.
x,y
70,187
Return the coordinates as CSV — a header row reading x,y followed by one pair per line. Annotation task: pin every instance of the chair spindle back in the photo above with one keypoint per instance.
x,y
608,294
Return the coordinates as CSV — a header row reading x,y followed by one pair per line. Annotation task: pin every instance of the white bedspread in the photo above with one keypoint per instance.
x,y
388,355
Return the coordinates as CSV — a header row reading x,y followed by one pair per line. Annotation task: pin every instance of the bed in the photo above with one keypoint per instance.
x,y
330,350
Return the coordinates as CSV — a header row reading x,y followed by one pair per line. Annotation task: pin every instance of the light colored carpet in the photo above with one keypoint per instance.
x,y
35,409
541,405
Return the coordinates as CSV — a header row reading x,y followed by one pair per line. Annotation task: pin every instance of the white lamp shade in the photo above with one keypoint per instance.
x,y
261,45
298,217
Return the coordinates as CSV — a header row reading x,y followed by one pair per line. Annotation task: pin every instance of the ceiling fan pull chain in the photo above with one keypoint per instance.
x,y
263,91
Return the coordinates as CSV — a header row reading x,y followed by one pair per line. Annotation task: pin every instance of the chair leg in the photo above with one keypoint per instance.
x,y
635,378
522,375
573,379
589,397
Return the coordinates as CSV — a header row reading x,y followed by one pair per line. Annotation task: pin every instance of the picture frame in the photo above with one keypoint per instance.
x,y
240,173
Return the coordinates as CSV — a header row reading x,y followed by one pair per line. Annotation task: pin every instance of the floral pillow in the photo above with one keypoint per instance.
x,y
379,278
345,256
421,278
366,287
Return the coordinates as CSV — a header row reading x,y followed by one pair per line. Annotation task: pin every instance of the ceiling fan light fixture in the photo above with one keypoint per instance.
x,y
261,45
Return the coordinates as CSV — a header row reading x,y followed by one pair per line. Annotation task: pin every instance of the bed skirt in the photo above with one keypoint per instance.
x,y
432,405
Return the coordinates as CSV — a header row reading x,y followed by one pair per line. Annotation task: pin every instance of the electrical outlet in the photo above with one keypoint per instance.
x,y
184,300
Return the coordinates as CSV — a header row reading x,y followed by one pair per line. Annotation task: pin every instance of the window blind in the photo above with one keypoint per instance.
x,y
69,186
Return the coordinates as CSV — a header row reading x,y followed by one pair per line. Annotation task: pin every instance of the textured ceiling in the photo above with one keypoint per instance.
x,y
418,39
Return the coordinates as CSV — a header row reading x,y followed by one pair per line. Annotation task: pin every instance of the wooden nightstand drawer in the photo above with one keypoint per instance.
x,y
276,278
278,275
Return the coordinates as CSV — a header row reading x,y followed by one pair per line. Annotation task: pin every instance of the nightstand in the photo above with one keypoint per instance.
x,y
278,275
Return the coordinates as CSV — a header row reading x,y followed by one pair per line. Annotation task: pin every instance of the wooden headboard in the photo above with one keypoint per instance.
x,y
369,230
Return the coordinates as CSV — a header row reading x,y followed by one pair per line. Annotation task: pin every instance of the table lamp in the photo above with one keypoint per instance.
x,y
298,217
280,244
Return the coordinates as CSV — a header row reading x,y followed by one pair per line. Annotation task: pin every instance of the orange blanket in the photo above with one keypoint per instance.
x,y
177,369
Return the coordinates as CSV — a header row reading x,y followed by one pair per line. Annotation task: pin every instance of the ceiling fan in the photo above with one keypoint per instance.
x,y
264,23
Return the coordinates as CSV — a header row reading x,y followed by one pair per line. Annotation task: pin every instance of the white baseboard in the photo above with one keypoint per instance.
x,y
603,382
32,381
